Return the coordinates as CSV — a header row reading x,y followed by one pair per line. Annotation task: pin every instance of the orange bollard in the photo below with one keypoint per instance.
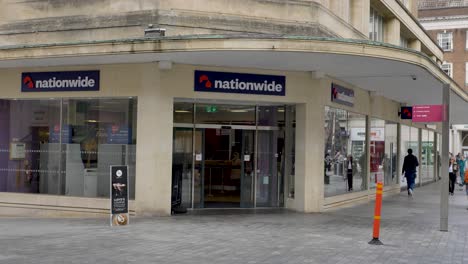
x,y
377,213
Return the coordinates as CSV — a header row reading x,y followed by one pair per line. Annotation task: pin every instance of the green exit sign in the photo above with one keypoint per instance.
x,y
211,109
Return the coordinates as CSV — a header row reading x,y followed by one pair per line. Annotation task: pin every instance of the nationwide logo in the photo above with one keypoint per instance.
x,y
239,83
207,81
28,81
60,81
57,83
342,95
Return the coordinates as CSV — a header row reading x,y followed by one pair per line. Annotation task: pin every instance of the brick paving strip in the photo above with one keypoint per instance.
x,y
409,232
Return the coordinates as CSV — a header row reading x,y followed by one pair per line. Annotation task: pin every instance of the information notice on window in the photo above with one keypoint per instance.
x,y
119,195
17,151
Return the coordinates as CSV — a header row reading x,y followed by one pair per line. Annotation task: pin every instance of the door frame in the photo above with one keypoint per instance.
x,y
254,128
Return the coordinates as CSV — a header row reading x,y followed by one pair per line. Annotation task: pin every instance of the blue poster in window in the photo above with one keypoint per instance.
x,y
55,133
117,134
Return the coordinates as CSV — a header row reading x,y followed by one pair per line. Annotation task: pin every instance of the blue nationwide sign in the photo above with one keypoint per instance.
x,y
342,95
239,83
65,81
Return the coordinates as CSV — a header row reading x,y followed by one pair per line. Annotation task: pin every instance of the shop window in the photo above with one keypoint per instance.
x,y
376,25
427,156
409,139
65,147
383,152
445,40
345,138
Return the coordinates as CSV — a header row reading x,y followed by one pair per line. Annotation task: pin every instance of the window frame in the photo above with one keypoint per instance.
x,y
445,35
466,73
450,69
376,27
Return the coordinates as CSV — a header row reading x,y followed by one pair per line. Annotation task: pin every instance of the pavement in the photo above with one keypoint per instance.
x,y
410,233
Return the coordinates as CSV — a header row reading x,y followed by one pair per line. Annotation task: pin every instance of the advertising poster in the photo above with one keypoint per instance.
x,y
117,134
119,195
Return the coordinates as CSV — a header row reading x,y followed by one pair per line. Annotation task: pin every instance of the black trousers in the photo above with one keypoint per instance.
x,y
350,179
453,180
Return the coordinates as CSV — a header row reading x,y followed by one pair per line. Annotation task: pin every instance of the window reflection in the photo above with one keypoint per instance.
x,y
69,145
345,139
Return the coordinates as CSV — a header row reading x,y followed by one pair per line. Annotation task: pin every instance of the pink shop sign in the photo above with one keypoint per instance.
x,y
428,113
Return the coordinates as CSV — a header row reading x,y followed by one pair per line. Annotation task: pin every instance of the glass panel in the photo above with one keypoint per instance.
x,y
290,145
377,151
268,163
182,159
247,159
68,156
183,113
383,151
427,159
390,158
414,145
345,138
199,171
27,163
98,133
225,114
409,140
404,143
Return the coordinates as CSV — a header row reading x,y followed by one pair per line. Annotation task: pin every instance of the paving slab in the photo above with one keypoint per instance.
x,y
410,233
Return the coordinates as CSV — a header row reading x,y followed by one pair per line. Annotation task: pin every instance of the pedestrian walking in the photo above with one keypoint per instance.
x,y
409,170
453,168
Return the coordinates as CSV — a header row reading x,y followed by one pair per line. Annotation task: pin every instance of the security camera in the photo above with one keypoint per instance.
x,y
414,77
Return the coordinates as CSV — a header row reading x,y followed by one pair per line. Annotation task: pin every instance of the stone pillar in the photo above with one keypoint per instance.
x,y
360,10
154,145
309,182
392,31
414,44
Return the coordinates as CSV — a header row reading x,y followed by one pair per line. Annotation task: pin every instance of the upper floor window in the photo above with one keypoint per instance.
x,y
466,40
466,74
445,40
447,68
376,26
403,42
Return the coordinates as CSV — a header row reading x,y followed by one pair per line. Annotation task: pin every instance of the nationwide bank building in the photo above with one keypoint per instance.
x,y
213,105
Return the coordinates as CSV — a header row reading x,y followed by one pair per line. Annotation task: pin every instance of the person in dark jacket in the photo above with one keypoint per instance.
x,y
409,169
351,168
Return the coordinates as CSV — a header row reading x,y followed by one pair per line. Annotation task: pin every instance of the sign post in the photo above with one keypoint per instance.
x,y
119,195
444,192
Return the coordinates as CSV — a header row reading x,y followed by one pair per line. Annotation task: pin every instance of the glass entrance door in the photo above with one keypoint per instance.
x,y
270,165
224,161
242,155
